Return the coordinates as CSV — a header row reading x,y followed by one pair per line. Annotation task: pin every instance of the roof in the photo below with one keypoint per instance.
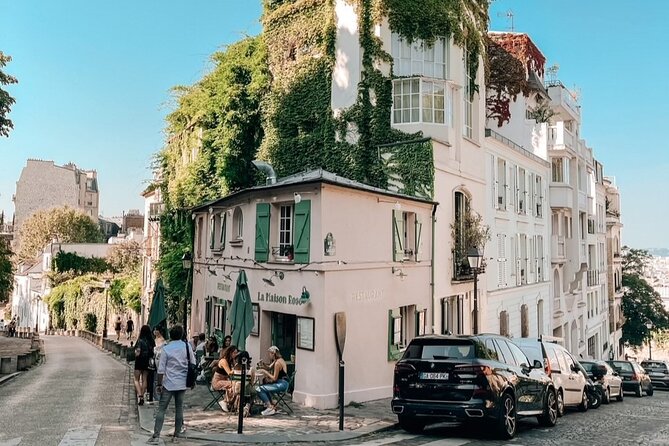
x,y
311,177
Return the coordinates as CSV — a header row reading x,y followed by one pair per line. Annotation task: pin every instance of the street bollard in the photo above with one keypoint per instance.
x,y
8,364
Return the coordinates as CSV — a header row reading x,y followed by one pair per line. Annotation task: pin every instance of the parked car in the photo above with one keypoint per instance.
x,y
601,372
658,372
593,389
562,368
635,378
470,378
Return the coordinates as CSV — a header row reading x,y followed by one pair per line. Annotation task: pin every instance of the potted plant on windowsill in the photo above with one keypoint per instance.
x,y
283,253
471,232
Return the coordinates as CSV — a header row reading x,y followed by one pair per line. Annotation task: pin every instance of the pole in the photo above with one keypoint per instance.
x,y
104,330
186,304
476,302
240,404
341,394
650,347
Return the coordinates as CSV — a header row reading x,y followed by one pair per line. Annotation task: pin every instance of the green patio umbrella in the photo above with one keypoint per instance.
x,y
157,313
241,313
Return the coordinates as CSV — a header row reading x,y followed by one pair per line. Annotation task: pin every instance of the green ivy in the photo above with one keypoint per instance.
x,y
69,261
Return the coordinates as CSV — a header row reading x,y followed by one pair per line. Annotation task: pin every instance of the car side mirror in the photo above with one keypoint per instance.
x,y
574,368
615,373
537,364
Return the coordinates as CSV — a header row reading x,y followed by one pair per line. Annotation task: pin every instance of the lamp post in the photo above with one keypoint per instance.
x,y
107,285
38,299
474,257
187,263
649,326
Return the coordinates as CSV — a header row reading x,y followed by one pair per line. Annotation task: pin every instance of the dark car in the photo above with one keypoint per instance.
x,y
470,378
658,372
635,378
601,372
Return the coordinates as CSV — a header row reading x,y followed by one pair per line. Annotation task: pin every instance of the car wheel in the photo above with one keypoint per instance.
x,y
606,399
506,422
620,396
597,397
583,407
550,415
638,392
649,392
410,424
560,401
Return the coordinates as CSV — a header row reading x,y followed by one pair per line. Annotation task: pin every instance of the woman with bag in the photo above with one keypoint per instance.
x,y
143,358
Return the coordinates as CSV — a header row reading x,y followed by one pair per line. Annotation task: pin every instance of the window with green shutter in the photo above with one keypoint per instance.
x,y
394,352
262,232
398,236
302,231
224,228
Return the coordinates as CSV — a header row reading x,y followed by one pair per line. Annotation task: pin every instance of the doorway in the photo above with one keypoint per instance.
x,y
283,333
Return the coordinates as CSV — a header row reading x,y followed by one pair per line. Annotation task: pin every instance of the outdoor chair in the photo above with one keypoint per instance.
x,y
216,395
283,398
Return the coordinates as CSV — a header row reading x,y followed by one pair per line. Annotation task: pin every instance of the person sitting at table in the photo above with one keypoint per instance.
x,y
276,380
208,360
221,380
249,380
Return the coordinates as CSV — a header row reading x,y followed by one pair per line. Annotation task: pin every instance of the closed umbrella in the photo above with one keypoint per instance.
x,y
157,313
241,313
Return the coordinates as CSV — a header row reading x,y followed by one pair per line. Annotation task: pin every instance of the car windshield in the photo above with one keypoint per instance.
x,y
444,349
532,351
654,366
622,366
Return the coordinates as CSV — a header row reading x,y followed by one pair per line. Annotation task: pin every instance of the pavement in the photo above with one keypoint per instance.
x,y
305,425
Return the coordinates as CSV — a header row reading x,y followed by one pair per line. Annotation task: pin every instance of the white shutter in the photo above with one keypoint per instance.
x,y
516,188
494,182
532,195
501,260
517,260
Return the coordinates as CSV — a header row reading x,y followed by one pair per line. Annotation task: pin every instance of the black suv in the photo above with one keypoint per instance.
x,y
470,378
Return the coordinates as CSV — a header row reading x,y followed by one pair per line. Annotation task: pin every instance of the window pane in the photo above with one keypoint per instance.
x,y
406,115
415,86
439,51
427,101
415,101
429,54
397,116
439,117
428,70
405,67
427,115
415,116
416,67
438,102
395,45
397,101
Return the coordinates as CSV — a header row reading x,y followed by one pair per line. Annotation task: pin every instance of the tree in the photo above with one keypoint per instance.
x,y
125,257
6,271
640,303
67,225
6,101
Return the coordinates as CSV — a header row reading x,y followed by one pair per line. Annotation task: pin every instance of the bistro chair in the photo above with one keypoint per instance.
x,y
283,398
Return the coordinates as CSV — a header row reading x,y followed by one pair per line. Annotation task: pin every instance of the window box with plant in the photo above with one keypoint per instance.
x,y
283,232
468,230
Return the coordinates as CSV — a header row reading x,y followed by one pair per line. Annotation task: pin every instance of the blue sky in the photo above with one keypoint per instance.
x,y
95,80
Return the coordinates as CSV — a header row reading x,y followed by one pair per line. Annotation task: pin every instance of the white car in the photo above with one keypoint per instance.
x,y
563,369
612,384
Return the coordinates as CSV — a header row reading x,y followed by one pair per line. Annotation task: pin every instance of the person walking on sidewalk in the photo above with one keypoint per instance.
x,y
129,328
171,382
143,356
117,328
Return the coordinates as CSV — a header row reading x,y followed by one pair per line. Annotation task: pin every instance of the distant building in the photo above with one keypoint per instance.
x,y
44,185
132,220
108,227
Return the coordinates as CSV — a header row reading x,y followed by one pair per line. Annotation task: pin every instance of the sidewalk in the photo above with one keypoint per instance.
x,y
304,425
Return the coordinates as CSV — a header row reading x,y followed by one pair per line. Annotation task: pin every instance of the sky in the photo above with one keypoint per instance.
x,y
95,80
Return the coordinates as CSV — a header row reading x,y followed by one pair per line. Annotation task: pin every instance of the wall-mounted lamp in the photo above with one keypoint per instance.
x,y
297,197
212,271
305,296
398,272
269,280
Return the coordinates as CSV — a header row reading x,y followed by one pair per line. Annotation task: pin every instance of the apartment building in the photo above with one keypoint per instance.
x,y
517,210
45,185
614,266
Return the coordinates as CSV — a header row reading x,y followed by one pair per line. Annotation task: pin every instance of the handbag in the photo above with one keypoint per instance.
x,y
152,364
192,370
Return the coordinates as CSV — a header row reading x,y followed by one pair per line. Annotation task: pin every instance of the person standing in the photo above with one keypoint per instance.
x,y
117,328
171,381
129,328
143,356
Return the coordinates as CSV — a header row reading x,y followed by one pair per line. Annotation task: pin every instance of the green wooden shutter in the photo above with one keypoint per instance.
x,y
398,236
224,229
212,232
262,232
302,231
418,232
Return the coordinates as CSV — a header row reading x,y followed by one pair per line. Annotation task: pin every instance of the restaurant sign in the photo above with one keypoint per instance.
x,y
279,299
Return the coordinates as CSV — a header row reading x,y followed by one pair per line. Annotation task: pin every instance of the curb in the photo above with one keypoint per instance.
x,y
146,423
9,377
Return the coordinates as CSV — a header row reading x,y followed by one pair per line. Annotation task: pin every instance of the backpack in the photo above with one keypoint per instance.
x,y
144,352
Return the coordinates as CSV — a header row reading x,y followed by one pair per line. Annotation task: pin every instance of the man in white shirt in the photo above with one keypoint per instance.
x,y
171,381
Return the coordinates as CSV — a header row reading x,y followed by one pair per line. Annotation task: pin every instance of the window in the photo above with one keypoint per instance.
x,y
460,263
199,225
217,231
501,184
521,260
452,315
560,170
538,197
287,231
518,355
501,260
237,224
524,322
420,322
400,328
468,96
407,230
417,58
539,257
504,323
417,100
504,352
521,190
540,318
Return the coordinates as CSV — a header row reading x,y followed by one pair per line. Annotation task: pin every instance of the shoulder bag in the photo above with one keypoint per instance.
x,y
192,370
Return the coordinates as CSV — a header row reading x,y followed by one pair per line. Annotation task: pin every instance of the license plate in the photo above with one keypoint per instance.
x,y
434,375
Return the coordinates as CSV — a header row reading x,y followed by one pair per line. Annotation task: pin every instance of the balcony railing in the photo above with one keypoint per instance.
x,y
591,226
155,210
593,277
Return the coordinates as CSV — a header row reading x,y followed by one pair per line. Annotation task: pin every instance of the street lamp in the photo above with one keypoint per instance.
x,y
38,299
107,285
187,263
475,257
649,326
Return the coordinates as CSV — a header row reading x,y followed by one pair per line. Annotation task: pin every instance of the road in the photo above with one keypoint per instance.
x,y
635,421
79,393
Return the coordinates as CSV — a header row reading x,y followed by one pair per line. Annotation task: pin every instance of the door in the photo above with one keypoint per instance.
x,y
514,373
283,334
575,382
534,388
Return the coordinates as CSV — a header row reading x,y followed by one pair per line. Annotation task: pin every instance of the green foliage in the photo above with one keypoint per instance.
x,y
126,292
72,299
6,101
470,232
125,257
176,236
6,271
65,224
90,322
640,303
69,261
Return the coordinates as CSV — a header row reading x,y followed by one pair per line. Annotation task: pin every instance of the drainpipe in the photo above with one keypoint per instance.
x,y
267,169
434,222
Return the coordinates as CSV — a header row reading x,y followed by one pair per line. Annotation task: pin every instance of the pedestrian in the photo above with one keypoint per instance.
x,y
143,356
117,328
129,328
171,381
